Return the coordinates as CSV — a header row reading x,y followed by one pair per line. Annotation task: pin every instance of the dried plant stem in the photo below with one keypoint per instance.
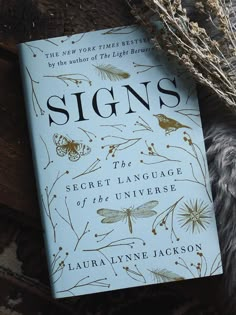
x,y
210,59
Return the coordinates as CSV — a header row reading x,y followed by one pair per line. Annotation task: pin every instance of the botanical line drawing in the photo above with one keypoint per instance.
x,y
48,200
34,98
121,30
117,126
128,242
123,145
88,134
77,40
135,274
48,155
164,275
194,216
70,223
76,78
143,124
103,235
145,67
128,214
152,152
162,218
51,42
95,283
67,38
109,72
169,124
198,156
71,148
58,265
191,91
33,49
190,114
92,168
200,268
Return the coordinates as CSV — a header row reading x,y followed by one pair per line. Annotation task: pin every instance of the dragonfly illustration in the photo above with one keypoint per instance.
x,y
128,214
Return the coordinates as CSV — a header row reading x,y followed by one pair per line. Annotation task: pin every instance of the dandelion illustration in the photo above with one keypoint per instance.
x,y
194,216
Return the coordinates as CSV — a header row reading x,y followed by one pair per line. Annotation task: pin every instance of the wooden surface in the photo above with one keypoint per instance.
x,y
24,276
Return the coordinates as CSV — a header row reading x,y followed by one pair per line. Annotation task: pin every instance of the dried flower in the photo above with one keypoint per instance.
x,y
207,51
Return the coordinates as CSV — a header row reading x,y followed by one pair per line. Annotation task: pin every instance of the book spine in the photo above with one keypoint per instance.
x,y
32,133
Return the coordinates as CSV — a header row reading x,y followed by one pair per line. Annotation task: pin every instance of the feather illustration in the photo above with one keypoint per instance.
x,y
109,72
164,275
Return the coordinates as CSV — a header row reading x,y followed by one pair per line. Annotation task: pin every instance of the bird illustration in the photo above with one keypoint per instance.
x,y
169,124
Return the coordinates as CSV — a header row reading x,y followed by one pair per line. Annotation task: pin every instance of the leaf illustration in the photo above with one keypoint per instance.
x,y
109,72
164,275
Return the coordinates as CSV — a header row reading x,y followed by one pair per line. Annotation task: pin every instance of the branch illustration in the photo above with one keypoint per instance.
x,y
191,114
198,156
97,283
103,236
78,40
47,203
152,152
200,268
88,133
33,49
57,267
92,168
128,242
34,98
51,42
145,67
48,155
70,223
121,30
135,274
113,148
76,78
143,124
117,126
162,218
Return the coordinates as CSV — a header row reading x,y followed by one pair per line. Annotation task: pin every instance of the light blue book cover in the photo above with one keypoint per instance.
x,y
120,163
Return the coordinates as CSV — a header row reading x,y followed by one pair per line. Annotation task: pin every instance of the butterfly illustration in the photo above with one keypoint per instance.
x,y
128,214
72,148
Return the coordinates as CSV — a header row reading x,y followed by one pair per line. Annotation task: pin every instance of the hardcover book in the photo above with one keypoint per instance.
x,y
120,163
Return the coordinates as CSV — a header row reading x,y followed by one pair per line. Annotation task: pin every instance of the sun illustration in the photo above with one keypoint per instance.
x,y
194,216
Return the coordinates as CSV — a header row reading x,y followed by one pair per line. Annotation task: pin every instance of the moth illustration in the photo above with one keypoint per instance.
x,y
73,149
128,214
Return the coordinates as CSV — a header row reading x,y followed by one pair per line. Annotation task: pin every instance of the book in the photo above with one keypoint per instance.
x,y
120,163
